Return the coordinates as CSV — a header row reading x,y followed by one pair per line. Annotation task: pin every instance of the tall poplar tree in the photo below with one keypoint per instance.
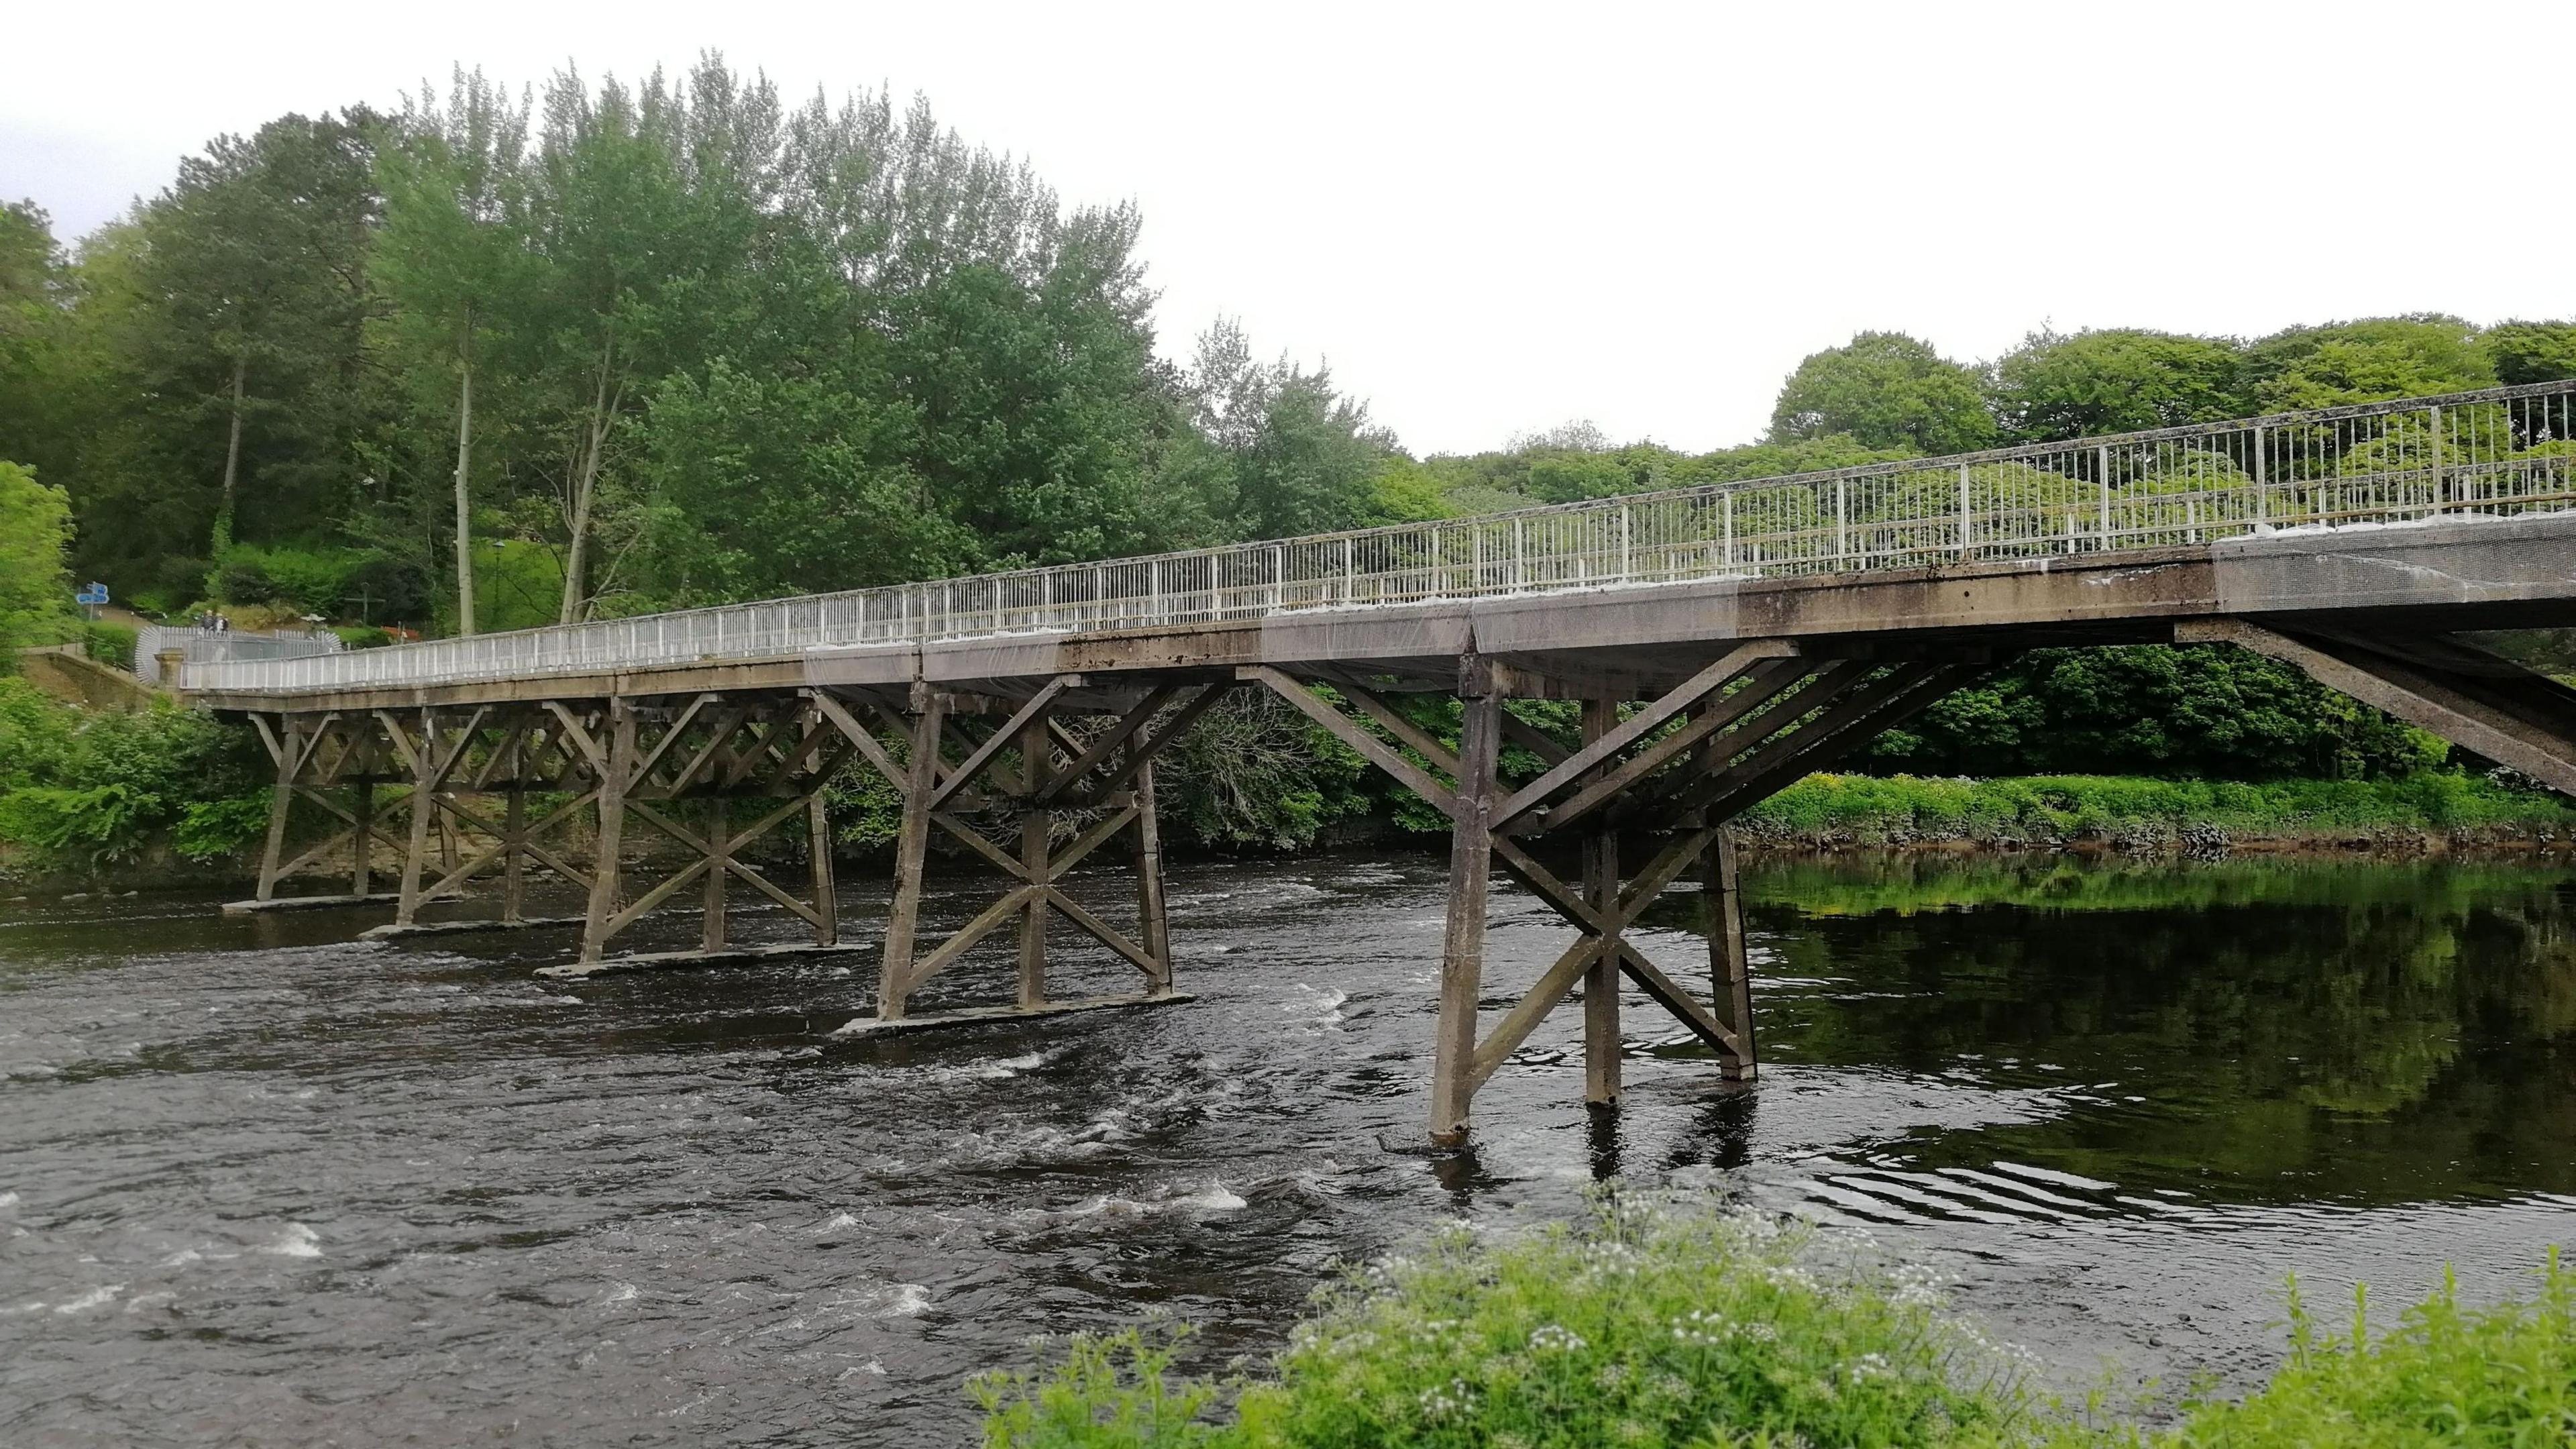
x,y
451,260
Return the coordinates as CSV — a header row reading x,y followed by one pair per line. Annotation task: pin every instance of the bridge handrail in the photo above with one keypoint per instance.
x,y
2495,451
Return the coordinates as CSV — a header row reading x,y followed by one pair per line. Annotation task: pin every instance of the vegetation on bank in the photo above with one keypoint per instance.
x,y
1665,1323
2123,810
82,790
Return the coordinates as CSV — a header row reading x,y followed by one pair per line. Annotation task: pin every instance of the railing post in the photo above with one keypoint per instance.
x,y
1967,529
1842,521
1520,557
2433,442
2262,471
1623,545
2102,465
1726,514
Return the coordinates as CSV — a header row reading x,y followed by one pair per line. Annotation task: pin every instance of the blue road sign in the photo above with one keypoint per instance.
x,y
91,594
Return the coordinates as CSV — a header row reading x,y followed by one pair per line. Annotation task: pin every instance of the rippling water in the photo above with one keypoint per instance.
x,y
257,1182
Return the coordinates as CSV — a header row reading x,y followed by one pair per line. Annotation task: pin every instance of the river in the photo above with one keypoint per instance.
x,y
259,1183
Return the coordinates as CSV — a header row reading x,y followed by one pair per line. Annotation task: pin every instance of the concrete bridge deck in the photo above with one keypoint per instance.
x,y
1723,642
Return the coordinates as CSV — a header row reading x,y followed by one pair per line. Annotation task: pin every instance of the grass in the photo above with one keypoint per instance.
x,y
1661,1323
1899,808
2501,1376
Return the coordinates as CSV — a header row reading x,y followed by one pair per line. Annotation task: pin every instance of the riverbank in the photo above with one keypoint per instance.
x,y
2430,810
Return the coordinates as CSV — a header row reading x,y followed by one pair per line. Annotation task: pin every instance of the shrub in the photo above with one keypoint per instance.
x,y
1660,1324
296,580
1652,1322
80,789
110,643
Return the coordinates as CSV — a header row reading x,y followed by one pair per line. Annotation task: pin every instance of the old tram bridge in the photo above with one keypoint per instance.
x,y
1722,641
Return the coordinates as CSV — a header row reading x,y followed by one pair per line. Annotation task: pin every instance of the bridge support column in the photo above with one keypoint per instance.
x,y
457,753
1730,970
1601,1042
1462,951
319,757
773,751
1675,769
1062,781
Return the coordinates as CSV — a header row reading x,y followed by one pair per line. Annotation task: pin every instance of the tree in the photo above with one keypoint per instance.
x,y
2523,352
449,259
37,291
1885,390
606,195
35,544
2375,359
2205,710
252,271
1301,457
2054,387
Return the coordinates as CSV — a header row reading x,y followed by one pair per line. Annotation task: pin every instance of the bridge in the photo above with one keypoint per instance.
x,y
1722,641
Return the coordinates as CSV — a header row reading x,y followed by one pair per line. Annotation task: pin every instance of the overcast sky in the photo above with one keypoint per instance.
x,y
1491,220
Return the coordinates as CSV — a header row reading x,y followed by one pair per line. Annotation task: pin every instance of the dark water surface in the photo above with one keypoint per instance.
x,y
262,1185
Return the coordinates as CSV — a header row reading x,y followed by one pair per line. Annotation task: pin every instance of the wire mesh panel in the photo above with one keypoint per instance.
x,y
2498,452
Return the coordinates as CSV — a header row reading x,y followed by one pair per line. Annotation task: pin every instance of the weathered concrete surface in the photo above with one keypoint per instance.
x,y
62,671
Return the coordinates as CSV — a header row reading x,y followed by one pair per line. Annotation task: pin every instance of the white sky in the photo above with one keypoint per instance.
x,y
1492,219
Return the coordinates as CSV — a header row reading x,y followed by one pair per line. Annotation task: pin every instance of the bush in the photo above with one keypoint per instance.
x,y
81,789
1651,1323
299,581
1679,1326
110,643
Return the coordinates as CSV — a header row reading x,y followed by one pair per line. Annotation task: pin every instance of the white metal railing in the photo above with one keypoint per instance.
x,y
2497,452
205,646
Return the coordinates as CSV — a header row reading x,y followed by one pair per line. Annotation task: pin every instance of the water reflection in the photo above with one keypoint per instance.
x,y
2255,1030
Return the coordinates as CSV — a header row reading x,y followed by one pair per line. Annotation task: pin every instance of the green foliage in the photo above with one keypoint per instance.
x,y
2523,352
81,789
1255,774
1664,1322
1653,1322
1108,1392
1900,808
1293,456
2504,1375
1885,390
517,584
301,580
213,829
2371,360
110,643
2208,710
35,582
2055,387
